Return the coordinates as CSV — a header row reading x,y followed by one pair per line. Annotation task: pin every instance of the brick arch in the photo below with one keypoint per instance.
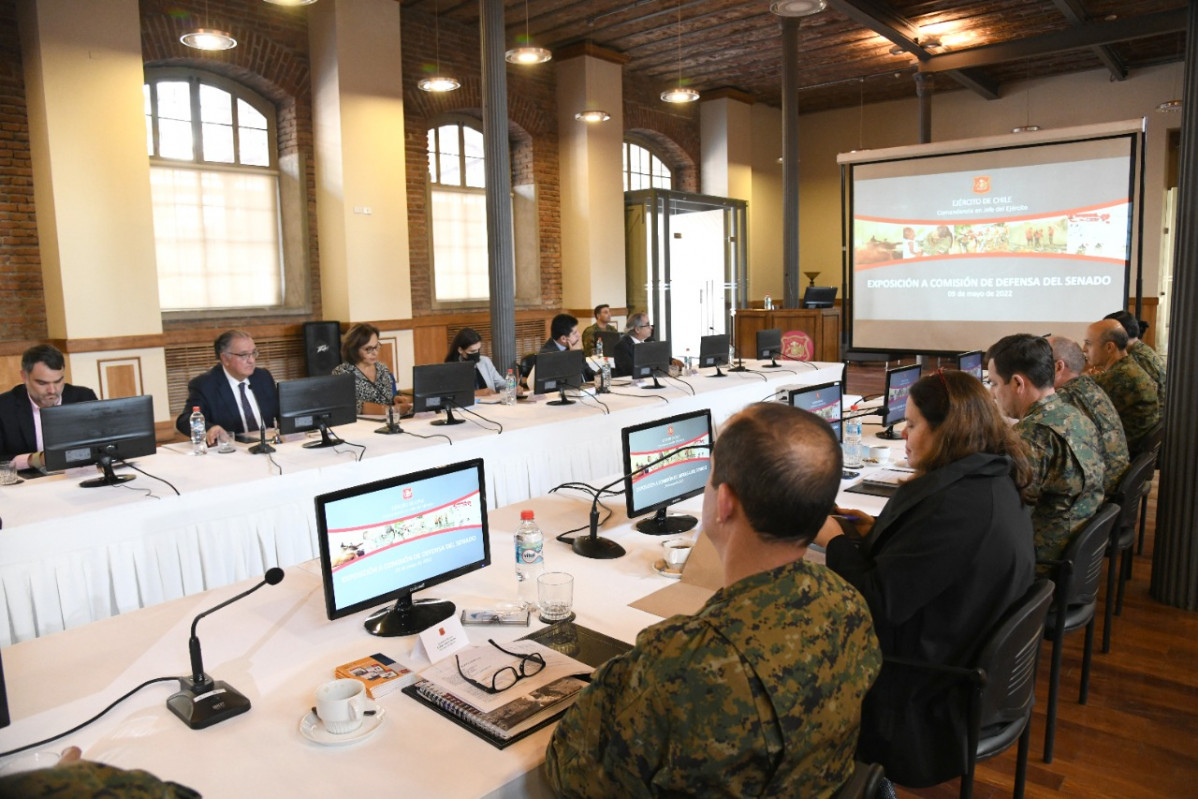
x,y
681,165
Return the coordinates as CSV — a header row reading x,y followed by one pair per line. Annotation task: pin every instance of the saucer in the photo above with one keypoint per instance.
x,y
665,570
311,728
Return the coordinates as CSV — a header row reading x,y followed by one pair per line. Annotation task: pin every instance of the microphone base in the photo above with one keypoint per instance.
x,y
389,430
199,708
597,548
261,449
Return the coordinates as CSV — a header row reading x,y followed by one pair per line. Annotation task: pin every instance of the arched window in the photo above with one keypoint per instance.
x,y
644,170
215,186
458,207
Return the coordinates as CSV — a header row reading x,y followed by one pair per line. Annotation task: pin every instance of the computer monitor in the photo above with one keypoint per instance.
x,y
610,339
971,362
769,344
388,539
825,400
819,297
894,402
713,351
675,455
317,403
443,387
649,359
99,432
557,371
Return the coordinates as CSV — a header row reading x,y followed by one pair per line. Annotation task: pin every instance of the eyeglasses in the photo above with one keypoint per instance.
x,y
245,356
647,324
375,348
508,676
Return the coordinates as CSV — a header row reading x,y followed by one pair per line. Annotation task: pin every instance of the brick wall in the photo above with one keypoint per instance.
x,y
22,303
671,129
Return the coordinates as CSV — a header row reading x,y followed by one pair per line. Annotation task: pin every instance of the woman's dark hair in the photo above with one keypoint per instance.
x,y
964,420
466,337
355,339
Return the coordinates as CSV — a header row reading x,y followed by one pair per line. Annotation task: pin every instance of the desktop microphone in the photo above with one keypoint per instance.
x,y
391,427
261,448
592,546
202,701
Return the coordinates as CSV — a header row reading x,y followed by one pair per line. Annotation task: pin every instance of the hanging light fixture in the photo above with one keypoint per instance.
x,y
437,82
797,8
527,53
1027,126
680,93
592,116
208,38
291,2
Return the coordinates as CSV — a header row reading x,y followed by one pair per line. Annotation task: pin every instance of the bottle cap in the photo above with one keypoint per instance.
x,y
195,408
526,515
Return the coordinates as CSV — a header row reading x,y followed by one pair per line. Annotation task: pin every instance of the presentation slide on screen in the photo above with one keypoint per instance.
x,y
951,252
896,394
823,402
680,473
395,537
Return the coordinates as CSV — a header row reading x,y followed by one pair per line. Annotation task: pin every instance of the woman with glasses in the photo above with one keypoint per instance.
x,y
374,384
951,551
467,345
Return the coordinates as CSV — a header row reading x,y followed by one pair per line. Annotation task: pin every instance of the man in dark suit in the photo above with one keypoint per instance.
x,y
563,335
235,396
639,329
42,369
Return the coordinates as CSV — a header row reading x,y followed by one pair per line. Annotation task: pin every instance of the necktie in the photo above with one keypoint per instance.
x,y
251,421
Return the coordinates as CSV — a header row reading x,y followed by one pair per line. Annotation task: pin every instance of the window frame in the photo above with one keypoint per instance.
x,y
655,158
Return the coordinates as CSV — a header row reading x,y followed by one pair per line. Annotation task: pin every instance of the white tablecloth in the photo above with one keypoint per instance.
x,y
70,556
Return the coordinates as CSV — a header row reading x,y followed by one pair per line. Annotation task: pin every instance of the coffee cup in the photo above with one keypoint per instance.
x,y
879,454
676,552
341,705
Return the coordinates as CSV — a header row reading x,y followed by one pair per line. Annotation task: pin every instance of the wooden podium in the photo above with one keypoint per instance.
x,y
821,326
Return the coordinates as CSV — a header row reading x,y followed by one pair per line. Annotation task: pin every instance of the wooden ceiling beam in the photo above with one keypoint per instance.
x,y
1073,11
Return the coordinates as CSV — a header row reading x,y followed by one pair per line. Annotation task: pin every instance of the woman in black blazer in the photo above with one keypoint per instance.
x,y
951,551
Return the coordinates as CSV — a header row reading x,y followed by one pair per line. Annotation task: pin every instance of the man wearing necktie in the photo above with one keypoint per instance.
x,y
235,396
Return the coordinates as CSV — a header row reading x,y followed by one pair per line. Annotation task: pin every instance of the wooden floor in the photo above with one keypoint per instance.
x,y
1138,734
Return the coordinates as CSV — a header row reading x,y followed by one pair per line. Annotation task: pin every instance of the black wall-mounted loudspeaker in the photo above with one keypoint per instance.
x,y
322,347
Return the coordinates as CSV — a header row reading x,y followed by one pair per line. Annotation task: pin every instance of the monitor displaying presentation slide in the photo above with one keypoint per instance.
x,y
898,385
682,445
824,400
384,540
952,251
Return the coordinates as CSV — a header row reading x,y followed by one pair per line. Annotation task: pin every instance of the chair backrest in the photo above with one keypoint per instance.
x,y
527,363
1152,442
1086,554
864,784
1009,657
1127,493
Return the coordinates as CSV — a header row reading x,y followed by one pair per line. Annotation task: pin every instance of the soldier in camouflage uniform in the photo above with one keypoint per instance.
x,y
1080,391
1062,444
1144,355
760,692
1131,390
80,779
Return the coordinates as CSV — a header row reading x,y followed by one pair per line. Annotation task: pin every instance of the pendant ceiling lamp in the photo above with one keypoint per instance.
x,y
527,52
208,38
680,93
438,82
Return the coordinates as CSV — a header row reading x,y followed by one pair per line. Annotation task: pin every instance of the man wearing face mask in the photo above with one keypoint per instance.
x,y
467,345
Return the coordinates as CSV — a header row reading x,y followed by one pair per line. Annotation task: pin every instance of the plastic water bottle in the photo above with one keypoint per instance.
x,y
605,376
530,560
852,444
769,303
199,432
509,389
687,363
598,348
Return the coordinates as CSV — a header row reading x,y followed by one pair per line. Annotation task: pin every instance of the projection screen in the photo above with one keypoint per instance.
x,y
955,245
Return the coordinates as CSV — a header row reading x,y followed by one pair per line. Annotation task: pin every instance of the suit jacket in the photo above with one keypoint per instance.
x,y
948,555
623,355
17,435
211,391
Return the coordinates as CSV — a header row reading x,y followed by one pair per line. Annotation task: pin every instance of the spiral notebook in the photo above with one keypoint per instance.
x,y
571,652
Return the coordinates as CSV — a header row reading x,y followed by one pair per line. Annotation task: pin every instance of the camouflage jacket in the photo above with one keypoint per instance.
x,y
588,337
85,778
1084,394
1067,471
1151,363
758,694
1134,396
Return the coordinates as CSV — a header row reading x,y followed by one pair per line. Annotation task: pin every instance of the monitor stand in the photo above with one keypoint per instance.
x,y
327,439
110,478
661,524
449,418
406,617
773,364
562,398
656,385
889,433
718,373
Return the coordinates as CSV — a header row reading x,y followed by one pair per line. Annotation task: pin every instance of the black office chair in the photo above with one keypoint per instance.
x,y
864,784
1156,437
1075,602
1003,681
1123,537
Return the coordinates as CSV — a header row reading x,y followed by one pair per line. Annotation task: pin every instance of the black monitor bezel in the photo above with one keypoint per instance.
x,y
819,297
326,571
981,361
450,384
625,436
610,339
887,412
137,413
562,368
5,718
794,392
765,337
649,356
713,350
338,403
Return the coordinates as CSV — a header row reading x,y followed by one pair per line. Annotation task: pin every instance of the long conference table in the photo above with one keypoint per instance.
x,y
276,647
70,556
